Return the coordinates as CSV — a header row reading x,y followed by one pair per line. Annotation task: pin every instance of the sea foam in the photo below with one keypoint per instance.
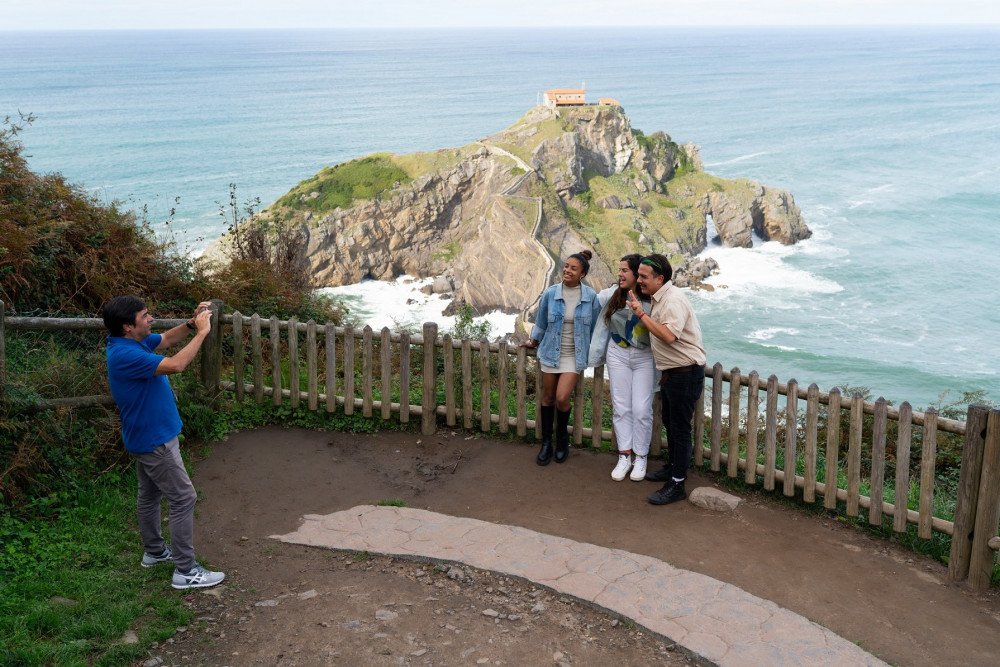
x,y
401,305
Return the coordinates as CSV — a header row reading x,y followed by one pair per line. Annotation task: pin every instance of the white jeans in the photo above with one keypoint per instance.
x,y
631,371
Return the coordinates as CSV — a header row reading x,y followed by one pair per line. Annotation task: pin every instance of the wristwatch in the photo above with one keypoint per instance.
x,y
190,326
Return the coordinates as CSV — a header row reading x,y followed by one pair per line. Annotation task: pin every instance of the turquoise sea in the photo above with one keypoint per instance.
x,y
888,138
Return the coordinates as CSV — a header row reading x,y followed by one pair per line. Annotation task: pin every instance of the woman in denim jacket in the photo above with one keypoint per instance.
x,y
621,337
563,350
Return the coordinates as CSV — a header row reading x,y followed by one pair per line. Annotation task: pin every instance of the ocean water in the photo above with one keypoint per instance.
x,y
888,139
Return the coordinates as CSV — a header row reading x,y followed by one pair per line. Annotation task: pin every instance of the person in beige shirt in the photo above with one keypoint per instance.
x,y
679,353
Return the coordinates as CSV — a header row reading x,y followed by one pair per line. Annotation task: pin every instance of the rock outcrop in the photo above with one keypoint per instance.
x,y
470,216
745,206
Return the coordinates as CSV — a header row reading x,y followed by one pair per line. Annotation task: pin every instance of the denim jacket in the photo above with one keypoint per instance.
x,y
599,339
549,322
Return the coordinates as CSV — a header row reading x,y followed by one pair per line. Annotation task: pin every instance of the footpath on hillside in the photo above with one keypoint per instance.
x,y
897,605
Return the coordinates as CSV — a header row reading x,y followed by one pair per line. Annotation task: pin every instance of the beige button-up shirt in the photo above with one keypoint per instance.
x,y
672,309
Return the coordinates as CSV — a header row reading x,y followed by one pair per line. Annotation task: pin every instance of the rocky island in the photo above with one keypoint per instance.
x,y
494,219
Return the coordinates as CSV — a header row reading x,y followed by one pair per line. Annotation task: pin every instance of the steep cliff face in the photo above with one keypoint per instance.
x,y
497,219
410,231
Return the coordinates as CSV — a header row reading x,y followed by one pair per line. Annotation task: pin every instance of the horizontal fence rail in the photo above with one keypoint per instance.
x,y
865,455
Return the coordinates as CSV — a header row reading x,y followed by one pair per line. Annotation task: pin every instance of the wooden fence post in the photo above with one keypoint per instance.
x,y
522,392
903,468
293,361
3,352
770,432
791,436
503,408
983,557
312,373
330,378
832,449
484,386
699,426
928,458
733,440
597,405
812,437
578,412
449,380
466,383
404,377
366,371
348,370
968,492
854,455
752,411
275,330
428,412
716,455
385,366
211,355
879,427
258,356
238,355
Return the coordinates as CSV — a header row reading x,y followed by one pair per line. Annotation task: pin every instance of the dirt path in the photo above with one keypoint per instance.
x,y
299,606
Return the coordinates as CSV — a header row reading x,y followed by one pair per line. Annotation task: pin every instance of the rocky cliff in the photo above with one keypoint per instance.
x,y
496,219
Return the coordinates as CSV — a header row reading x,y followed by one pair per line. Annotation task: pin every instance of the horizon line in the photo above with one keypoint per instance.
x,y
768,26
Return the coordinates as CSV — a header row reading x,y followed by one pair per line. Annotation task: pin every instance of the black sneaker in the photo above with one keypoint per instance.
x,y
661,475
670,493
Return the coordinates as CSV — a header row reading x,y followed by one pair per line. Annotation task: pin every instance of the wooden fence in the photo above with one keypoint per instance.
x,y
751,431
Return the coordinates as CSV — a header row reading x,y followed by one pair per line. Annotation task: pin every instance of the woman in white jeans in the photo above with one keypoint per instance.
x,y
622,340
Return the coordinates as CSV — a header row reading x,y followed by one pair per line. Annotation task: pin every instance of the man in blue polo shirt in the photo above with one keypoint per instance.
x,y
150,426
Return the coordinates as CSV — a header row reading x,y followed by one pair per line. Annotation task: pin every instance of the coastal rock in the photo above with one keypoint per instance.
x,y
690,271
744,206
494,221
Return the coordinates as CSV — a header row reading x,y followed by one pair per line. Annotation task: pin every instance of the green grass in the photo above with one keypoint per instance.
x,y
71,583
419,164
362,179
392,502
448,252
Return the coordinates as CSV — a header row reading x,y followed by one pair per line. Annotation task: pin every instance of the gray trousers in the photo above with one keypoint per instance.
x,y
161,473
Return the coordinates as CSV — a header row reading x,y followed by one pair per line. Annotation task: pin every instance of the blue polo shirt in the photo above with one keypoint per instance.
x,y
145,400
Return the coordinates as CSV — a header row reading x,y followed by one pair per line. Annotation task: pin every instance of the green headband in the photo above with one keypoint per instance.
x,y
649,262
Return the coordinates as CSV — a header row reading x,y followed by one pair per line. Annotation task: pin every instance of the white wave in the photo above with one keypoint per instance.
x,y
399,304
853,204
760,269
881,188
768,333
783,348
734,160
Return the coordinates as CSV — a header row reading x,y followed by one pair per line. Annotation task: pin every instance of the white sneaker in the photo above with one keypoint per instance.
x,y
198,577
624,464
638,469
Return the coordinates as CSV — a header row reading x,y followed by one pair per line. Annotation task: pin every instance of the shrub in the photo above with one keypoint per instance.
x,y
266,271
63,251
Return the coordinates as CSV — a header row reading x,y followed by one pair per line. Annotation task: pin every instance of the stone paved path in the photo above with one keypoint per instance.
x,y
714,620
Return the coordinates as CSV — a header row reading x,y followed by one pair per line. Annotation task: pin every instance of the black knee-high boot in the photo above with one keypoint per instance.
x,y
545,453
562,436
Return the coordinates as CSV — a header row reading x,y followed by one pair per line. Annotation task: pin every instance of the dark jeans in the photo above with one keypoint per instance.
x,y
678,394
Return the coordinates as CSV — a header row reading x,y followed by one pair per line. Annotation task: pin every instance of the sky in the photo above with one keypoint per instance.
x,y
369,14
